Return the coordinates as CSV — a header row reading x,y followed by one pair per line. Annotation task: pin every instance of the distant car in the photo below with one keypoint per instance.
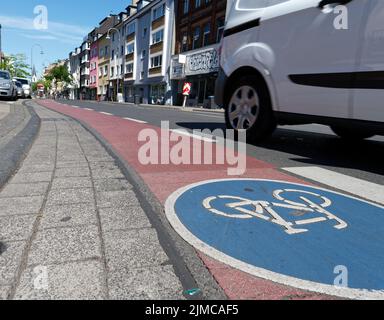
x,y
8,89
285,62
26,87
20,91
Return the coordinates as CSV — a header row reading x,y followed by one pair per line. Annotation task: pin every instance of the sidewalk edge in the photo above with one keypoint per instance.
x,y
18,147
189,268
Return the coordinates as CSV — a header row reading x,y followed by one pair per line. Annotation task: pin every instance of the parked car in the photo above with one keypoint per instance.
x,y
8,89
20,91
26,87
286,62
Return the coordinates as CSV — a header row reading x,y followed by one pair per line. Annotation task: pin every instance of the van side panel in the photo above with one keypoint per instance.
x,y
368,102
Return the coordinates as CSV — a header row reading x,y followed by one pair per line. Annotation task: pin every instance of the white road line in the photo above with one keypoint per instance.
x,y
135,120
195,136
88,109
362,188
106,113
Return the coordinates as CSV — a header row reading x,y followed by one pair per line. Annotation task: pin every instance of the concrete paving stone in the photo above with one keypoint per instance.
x,y
32,177
10,259
60,245
103,173
69,215
138,248
41,158
123,218
99,159
116,199
20,206
70,281
71,158
111,185
71,183
16,228
158,283
36,168
71,164
5,292
72,172
24,190
70,196
103,166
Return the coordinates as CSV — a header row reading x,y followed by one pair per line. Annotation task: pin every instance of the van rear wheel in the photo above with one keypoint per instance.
x,y
352,133
248,108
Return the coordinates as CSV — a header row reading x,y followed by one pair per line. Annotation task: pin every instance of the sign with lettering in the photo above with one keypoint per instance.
x,y
204,61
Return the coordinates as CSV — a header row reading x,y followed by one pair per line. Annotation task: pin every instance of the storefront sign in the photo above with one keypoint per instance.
x,y
201,62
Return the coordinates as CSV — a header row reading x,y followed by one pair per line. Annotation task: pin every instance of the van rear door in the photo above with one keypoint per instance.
x,y
368,102
315,57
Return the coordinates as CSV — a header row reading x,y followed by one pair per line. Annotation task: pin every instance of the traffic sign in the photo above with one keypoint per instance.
x,y
187,88
294,234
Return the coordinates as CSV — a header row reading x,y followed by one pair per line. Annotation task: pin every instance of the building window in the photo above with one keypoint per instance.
x,y
145,32
156,61
196,38
184,42
158,12
100,71
197,4
158,36
130,48
130,29
129,68
106,51
113,54
112,71
122,50
220,29
207,34
158,94
121,69
185,6
143,54
141,75
105,70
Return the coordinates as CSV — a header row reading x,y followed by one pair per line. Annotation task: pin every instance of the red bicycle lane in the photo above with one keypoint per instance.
x,y
163,180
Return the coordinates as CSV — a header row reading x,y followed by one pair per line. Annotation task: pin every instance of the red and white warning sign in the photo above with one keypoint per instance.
x,y
187,88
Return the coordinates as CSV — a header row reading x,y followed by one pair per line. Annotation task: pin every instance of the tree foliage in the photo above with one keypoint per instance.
x,y
59,74
16,65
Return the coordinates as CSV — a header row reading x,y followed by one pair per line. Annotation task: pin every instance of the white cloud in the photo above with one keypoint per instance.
x,y
57,31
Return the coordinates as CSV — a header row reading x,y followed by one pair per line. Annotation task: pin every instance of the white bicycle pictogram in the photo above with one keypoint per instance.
x,y
267,211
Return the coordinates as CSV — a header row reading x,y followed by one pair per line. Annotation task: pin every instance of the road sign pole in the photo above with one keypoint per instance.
x,y
185,101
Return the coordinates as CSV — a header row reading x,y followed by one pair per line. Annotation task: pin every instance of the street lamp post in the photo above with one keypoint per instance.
x,y
118,75
1,48
41,52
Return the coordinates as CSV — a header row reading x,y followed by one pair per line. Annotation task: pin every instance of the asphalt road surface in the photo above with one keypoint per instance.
x,y
290,146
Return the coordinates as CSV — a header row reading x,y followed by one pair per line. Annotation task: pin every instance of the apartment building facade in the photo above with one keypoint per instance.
x,y
74,71
200,26
84,69
93,64
148,48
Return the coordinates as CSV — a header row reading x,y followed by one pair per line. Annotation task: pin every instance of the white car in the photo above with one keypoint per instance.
x,y
303,61
26,86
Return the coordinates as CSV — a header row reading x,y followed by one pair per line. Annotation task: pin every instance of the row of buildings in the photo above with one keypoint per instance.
x,y
146,53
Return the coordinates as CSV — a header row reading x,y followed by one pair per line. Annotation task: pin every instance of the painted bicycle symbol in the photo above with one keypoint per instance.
x,y
268,211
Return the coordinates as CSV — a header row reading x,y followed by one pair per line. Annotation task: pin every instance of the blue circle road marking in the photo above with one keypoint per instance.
x,y
289,233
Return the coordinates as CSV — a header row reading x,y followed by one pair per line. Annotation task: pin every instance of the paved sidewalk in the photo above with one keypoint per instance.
x,y
4,110
71,226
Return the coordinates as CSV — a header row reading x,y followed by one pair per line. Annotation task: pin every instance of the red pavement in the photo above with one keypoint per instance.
x,y
163,180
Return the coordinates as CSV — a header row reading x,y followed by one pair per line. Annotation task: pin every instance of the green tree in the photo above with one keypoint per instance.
x,y
59,74
16,65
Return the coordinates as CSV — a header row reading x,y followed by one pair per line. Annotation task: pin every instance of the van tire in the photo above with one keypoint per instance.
x,y
352,133
265,123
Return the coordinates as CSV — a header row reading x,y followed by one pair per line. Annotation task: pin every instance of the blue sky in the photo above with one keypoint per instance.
x,y
68,22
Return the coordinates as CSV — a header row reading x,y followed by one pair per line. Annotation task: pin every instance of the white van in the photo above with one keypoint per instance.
x,y
303,61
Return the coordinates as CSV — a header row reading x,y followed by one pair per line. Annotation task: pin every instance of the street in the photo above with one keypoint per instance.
x,y
180,206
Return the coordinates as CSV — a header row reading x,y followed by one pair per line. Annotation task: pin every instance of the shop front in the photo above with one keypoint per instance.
x,y
200,68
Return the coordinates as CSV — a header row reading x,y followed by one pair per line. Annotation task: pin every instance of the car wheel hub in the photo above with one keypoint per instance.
x,y
243,108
